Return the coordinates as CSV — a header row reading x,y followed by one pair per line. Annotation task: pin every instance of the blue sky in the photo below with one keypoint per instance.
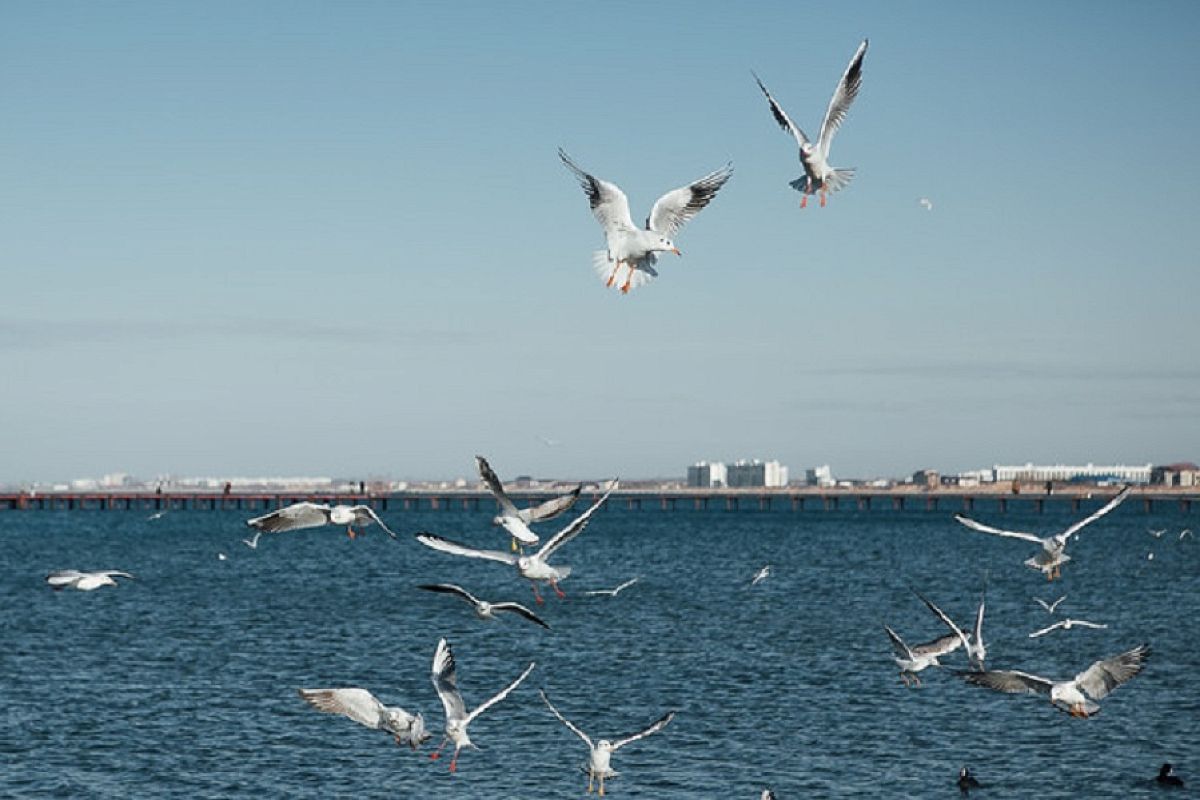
x,y
334,238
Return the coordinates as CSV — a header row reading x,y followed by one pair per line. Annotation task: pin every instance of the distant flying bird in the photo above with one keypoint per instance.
x,y
1066,625
613,592
366,709
517,520
445,681
976,650
912,660
314,515
252,542
221,556
760,576
1052,556
632,248
547,441
926,204
157,514
1049,606
1097,682
1185,532
599,760
1157,534
83,581
818,175
531,567
483,609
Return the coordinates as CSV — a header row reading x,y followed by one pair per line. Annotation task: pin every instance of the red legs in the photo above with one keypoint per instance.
x,y
804,201
454,762
350,532
591,774
613,275
436,754
559,592
628,278
536,594
601,792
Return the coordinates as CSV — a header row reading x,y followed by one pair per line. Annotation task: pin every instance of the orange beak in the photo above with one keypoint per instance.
x,y
675,250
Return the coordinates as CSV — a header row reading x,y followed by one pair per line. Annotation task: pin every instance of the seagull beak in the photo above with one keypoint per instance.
x,y
675,250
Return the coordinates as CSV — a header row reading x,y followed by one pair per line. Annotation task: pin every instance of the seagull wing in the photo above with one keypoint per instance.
x,y
1103,677
63,577
293,517
447,546
364,513
1008,680
843,96
1087,624
564,720
450,588
1054,605
939,647
675,208
1107,507
496,487
517,608
898,644
943,617
357,704
445,681
575,528
503,693
609,203
978,632
1047,629
625,585
781,116
553,507
658,725
1044,604
979,526
115,573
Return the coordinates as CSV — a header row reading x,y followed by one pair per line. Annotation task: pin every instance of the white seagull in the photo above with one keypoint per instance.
x,y
517,520
761,575
1049,606
1097,682
976,649
599,766
632,248
925,203
818,175
1052,556
252,542
531,567
1156,533
912,660
616,591
457,719
83,581
365,709
1185,532
483,609
1066,625
314,515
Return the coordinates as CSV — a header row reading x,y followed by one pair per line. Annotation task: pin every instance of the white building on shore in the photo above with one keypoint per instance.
x,y
757,473
1062,472
705,475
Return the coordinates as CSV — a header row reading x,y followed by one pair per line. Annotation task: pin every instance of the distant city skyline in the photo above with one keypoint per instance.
x,y
314,238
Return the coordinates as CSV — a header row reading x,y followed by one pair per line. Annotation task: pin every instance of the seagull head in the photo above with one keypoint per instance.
x,y
665,245
604,746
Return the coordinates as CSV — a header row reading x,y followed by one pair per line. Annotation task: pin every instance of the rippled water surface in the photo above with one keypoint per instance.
x,y
182,683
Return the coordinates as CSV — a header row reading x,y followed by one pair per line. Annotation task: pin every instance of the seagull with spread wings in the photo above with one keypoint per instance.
x,y
973,643
1052,555
533,568
83,581
819,176
1049,607
483,609
599,761
445,680
613,592
366,709
1096,682
1066,625
912,660
517,520
314,515
631,250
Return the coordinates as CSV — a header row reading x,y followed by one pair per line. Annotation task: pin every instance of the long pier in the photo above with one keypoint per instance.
x,y
1075,497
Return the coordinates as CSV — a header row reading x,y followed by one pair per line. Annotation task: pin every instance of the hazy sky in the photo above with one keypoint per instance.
x,y
334,238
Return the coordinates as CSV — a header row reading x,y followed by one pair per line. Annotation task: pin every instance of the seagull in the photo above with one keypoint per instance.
x,y
1049,606
601,752
912,660
613,592
517,521
457,719
531,567
1051,558
925,203
1157,534
629,246
221,556
252,542
818,175
1066,625
314,515
967,781
483,609
1097,681
157,514
761,575
83,581
976,650
365,709
1185,532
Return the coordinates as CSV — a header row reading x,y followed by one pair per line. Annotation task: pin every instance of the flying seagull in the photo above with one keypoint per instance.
x,y
517,520
1066,625
314,515
252,542
483,609
616,591
83,581
445,681
925,203
1096,682
1049,606
1156,533
632,248
599,766
818,175
365,709
1052,556
760,576
531,567
976,650
912,660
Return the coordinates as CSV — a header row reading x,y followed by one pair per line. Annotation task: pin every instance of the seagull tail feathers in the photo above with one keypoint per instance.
x,y
839,179
640,276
